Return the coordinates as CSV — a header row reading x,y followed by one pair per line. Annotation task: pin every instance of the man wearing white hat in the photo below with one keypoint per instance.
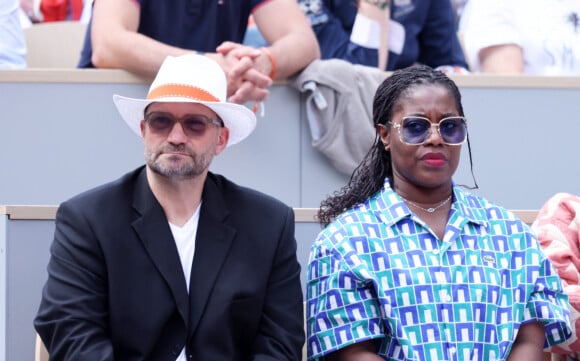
x,y
171,261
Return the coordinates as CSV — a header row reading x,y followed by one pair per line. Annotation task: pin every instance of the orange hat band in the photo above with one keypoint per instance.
x,y
181,91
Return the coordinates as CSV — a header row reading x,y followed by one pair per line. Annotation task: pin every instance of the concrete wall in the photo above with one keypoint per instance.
x,y
61,135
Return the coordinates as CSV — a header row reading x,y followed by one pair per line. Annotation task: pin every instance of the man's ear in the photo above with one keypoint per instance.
x,y
142,126
385,135
223,137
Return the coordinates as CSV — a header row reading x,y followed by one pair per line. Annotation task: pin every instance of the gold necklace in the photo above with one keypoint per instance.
x,y
430,209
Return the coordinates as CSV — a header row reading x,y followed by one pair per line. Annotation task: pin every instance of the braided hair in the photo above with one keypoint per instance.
x,y
369,176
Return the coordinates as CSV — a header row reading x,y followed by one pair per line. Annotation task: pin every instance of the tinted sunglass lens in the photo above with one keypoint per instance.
x,y
160,122
453,130
196,126
415,130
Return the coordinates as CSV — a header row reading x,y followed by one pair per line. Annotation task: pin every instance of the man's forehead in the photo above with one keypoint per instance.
x,y
179,108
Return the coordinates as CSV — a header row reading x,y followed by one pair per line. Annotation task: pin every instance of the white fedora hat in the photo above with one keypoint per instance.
x,y
190,78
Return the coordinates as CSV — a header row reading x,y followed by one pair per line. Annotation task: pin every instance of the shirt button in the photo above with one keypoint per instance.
x,y
435,251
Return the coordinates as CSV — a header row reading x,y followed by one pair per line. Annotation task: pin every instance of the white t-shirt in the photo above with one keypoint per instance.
x,y
548,31
185,241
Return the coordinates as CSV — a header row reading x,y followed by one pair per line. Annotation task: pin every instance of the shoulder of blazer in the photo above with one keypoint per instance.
x,y
113,197
219,188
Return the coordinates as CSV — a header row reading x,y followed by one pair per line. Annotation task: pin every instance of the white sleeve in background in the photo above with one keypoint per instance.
x,y
366,33
12,43
486,23
548,32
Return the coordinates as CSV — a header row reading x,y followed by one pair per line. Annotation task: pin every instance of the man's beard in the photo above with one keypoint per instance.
x,y
171,167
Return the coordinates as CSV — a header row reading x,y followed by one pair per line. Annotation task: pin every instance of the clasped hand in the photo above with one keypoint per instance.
x,y
247,72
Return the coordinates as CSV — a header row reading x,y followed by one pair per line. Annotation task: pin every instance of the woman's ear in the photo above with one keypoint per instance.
x,y
385,135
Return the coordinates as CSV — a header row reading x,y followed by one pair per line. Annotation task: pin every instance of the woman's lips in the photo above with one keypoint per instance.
x,y
434,159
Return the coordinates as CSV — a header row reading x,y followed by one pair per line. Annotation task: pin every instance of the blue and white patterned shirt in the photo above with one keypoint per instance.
x,y
378,272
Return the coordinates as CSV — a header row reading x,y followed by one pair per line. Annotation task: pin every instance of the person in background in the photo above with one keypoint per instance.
x,y
171,261
138,35
557,226
531,37
389,34
12,42
409,265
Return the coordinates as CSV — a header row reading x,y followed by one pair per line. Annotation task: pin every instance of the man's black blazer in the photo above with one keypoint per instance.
x,y
116,289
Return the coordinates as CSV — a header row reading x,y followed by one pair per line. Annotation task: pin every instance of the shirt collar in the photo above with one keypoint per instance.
x,y
390,207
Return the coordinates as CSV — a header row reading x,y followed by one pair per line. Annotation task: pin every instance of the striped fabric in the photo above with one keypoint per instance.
x,y
378,272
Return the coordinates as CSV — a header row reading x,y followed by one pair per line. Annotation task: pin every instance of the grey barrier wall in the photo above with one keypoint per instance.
x,y
61,134
24,253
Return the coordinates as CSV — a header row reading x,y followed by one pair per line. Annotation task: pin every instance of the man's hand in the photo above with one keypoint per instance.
x,y
246,70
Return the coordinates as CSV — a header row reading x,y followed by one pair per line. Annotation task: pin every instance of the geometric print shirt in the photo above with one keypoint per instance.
x,y
379,272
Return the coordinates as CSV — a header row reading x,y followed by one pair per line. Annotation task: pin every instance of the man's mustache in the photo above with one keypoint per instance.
x,y
174,148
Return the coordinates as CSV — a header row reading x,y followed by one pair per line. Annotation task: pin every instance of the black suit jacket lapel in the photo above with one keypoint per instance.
x,y
213,241
154,232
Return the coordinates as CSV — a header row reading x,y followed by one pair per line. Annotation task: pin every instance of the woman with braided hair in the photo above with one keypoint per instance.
x,y
410,266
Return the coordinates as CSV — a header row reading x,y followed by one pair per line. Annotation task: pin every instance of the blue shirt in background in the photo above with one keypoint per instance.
x,y
429,28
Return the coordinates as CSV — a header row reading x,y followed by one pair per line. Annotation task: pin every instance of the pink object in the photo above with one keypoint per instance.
x,y
558,229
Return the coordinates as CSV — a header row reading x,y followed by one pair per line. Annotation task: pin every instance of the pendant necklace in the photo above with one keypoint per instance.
x,y
430,209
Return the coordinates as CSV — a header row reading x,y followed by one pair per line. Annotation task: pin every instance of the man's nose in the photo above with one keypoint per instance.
x,y
177,134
